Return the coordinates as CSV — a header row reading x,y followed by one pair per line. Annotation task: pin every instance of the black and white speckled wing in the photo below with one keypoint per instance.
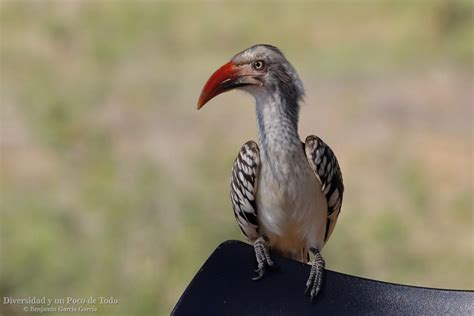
x,y
326,168
243,188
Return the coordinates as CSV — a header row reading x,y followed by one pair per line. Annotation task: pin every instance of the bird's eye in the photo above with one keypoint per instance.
x,y
258,65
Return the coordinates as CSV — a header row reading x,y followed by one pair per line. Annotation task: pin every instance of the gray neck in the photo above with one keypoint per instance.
x,y
277,121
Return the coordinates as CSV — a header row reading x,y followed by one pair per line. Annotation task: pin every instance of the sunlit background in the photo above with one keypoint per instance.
x,y
114,185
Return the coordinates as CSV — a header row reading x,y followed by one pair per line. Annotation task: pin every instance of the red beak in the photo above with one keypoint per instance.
x,y
215,85
227,77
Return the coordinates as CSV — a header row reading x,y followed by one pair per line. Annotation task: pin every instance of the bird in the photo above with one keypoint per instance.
x,y
286,194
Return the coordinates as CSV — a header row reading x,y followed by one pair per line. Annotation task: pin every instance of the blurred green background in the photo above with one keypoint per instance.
x,y
114,185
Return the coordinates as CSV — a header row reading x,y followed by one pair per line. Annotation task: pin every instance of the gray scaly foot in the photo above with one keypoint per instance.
x,y
262,254
313,285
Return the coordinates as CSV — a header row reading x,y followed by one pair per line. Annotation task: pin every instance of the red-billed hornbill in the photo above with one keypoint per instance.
x,y
286,194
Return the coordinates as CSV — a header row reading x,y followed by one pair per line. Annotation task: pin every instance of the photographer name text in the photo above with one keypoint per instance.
x,y
45,304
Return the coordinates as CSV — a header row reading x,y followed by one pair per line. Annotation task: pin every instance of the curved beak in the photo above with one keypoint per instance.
x,y
226,78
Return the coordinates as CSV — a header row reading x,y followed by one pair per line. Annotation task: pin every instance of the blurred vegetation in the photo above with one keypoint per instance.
x,y
112,184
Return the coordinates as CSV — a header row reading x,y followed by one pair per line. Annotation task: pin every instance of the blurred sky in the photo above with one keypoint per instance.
x,y
113,184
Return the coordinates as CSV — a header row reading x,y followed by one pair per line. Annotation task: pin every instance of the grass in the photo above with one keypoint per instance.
x,y
112,183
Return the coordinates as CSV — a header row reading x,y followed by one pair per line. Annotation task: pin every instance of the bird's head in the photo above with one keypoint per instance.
x,y
260,69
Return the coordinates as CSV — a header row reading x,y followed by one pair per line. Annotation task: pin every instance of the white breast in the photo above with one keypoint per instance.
x,y
292,209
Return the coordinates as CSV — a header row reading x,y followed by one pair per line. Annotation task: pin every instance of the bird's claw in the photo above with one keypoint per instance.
x,y
263,258
260,273
313,285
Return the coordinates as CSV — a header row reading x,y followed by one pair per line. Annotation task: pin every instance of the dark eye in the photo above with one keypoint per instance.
x,y
258,65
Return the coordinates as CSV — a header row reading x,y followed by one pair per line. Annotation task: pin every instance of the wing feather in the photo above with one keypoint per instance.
x,y
243,188
324,163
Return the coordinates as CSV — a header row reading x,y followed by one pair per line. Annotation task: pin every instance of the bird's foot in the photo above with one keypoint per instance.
x,y
262,254
313,285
